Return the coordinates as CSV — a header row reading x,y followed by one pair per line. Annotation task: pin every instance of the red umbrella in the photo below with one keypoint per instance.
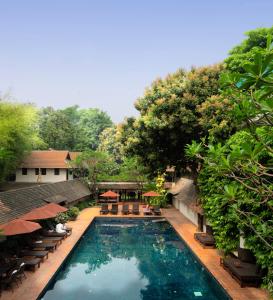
x,y
19,226
39,214
55,208
151,194
110,194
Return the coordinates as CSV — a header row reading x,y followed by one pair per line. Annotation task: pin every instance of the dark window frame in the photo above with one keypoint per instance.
x,y
24,171
56,171
37,171
43,171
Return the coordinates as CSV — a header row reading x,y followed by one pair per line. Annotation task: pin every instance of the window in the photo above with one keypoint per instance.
x,y
24,171
43,171
36,171
56,171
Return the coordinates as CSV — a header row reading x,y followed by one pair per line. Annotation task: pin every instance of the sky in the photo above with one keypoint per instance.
x,y
105,53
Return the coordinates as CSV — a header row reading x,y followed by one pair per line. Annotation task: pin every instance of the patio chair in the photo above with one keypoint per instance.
x,y
114,209
104,209
43,245
20,270
135,209
157,210
206,239
244,268
125,209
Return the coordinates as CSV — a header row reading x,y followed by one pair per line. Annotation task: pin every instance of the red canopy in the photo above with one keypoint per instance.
x,y
55,208
110,194
151,194
39,214
19,226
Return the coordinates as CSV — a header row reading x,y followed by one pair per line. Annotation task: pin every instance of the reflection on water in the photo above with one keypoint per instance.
x,y
132,259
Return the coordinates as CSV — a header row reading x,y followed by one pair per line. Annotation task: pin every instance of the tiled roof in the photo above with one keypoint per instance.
x,y
74,155
185,191
15,203
46,159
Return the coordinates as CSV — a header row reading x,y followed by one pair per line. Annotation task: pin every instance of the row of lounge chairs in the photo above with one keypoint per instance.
x,y
30,253
242,268
126,210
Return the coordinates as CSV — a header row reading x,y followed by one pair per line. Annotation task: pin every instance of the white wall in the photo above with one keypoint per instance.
x,y
49,177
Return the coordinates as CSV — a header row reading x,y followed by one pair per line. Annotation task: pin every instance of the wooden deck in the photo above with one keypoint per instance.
x,y
36,281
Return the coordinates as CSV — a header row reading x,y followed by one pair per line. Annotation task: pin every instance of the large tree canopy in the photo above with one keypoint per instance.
x,y
72,128
18,131
169,118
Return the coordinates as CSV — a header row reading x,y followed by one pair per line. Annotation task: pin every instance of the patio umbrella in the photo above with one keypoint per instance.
x,y
55,208
40,213
151,194
19,226
110,194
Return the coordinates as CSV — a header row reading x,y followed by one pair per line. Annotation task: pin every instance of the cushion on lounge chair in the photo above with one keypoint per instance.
x,y
246,273
246,255
205,239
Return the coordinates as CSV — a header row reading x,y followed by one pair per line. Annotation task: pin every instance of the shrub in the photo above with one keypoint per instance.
x,y
73,212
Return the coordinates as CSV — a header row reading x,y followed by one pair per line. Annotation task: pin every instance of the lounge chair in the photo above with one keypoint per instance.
x,y
39,254
53,233
50,239
43,245
114,209
9,280
206,239
31,262
245,272
147,211
157,210
104,209
135,209
125,209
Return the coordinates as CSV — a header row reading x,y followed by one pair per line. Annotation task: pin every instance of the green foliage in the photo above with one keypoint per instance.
x,y
56,129
18,131
73,212
71,128
256,42
85,204
169,118
91,166
109,142
236,178
92,122
62,218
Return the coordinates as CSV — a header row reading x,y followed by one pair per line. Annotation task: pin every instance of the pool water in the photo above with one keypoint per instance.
x,y
131,259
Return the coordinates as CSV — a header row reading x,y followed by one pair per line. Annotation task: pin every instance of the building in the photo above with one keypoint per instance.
x,y
15,203
185,199
46,166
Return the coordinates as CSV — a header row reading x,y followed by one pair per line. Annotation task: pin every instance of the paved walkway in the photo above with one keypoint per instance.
x,y
36,281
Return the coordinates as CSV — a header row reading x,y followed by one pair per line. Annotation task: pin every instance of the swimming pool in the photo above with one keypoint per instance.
x,y
131,259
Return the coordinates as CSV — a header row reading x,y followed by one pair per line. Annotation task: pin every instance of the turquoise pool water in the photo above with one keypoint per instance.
x,y
131,259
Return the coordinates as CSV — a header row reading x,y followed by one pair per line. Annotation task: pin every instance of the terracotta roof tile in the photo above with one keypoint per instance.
x,y
46,159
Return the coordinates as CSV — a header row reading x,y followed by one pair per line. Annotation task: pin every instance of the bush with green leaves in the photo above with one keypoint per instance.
x,y
73,212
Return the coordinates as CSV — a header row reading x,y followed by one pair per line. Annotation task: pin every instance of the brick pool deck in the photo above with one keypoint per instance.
x,y
36,281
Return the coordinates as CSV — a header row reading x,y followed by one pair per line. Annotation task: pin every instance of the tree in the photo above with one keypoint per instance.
x,y
255,42
92,122
109,142
18,131
169,117
90,166
236,179
57,129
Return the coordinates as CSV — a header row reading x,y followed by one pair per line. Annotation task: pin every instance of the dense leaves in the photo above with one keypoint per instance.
x,y
168,117
236,180
18,134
